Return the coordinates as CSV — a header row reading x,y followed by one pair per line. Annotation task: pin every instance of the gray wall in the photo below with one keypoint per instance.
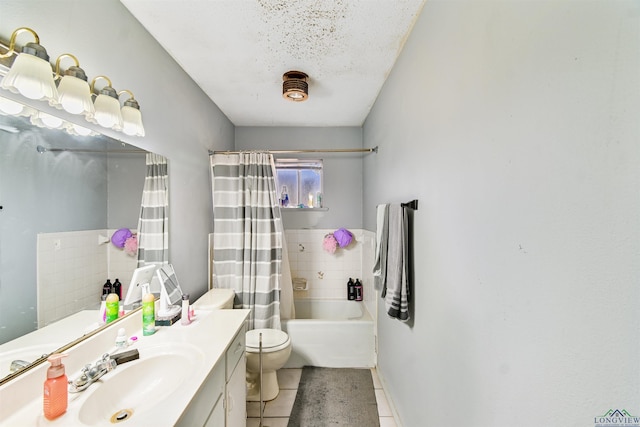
x,y
181,122
342,172
520,139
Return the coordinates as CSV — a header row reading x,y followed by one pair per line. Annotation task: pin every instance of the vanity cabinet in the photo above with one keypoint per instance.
x,y
236,386
221,400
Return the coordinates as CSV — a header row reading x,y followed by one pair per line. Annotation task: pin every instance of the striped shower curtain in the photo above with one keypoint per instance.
x,y
247,234
153,224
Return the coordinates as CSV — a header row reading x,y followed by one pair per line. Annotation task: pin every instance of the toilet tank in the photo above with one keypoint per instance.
x,y
215,299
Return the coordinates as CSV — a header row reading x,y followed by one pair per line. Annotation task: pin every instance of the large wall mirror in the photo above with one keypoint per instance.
x,y
62,196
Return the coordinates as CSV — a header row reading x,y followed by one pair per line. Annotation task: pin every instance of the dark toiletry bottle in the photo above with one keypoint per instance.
x,y
358,288
117,288
107,287
351,290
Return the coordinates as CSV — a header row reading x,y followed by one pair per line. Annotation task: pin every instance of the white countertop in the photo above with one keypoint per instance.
x,y
211,333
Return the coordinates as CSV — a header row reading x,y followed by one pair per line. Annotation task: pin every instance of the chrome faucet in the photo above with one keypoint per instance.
x,y
91,374
16,365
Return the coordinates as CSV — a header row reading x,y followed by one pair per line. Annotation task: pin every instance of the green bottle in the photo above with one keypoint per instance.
x,y
148,315
113,305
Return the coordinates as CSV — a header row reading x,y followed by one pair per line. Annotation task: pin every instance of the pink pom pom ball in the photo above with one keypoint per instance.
x,y
329,243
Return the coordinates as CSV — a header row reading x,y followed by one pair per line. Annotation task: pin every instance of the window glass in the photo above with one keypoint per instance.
x,y
299,183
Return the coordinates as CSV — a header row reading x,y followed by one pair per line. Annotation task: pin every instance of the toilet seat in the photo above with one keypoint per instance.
x,y
272,340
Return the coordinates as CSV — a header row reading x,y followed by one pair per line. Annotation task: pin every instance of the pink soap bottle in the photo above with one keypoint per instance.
x,y
55,388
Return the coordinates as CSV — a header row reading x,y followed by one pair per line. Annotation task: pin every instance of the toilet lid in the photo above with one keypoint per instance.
x,y
272,340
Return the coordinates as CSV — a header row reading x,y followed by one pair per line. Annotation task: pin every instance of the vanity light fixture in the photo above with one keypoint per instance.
x,y
107,106
45,120
30,74
294,86
9,107
131,116
78,130
74,94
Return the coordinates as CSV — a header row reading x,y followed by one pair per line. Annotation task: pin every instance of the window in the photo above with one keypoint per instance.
x,y
299,183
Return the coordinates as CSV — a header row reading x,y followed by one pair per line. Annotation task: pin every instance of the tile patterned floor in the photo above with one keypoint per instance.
x,y
276,412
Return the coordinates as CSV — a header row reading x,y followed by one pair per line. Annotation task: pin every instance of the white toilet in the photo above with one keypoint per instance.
x,y
276,349
215,299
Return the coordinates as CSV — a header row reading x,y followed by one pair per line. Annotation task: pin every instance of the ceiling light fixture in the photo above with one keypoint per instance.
x,y
294,86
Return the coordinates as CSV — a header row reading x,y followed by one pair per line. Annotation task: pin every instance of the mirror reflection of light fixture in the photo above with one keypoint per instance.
x,y
131,116
78,130
45,120
30,75
9,107
107,107
294,86
74,94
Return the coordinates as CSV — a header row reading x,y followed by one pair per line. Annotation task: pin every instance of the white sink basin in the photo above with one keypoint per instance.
x,y
136,387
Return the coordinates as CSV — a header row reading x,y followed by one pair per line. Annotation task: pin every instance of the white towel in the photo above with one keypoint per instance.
x,y
380,263
396,286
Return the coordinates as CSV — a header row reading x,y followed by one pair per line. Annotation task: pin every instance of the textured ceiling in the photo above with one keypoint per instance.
x,y
237,51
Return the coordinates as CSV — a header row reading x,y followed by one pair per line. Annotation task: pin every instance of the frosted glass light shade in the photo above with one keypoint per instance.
x,y
13,108
78,130
32,77
74,96
42,119
132,121
107,112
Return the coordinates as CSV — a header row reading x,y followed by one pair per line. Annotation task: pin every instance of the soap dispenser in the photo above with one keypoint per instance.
x,y
55,388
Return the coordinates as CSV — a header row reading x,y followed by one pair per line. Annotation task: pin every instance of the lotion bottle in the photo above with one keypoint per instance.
x,y
113,307
148,314
55,388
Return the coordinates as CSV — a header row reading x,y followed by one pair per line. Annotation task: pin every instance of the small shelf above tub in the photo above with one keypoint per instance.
x,y
304,209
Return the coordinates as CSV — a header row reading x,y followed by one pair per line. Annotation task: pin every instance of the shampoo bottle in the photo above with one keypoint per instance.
x,y
117,288
113,307
351,289
148,314
55,388
107,287
358,287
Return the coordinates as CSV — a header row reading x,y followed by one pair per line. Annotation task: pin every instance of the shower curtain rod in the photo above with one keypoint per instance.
x,y
40,149
326,150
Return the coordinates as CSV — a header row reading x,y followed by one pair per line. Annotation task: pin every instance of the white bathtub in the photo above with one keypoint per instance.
x,y
331,334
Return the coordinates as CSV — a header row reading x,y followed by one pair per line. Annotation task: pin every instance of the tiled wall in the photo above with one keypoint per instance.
x,y
71,269
327,274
